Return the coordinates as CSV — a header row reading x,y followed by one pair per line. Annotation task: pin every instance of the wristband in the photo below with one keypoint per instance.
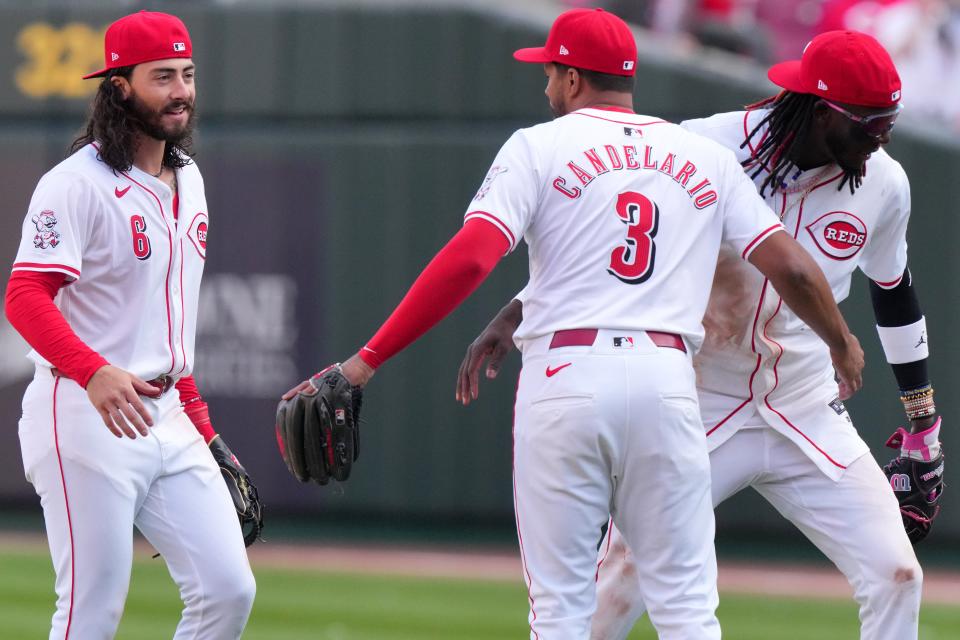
x,y
918,403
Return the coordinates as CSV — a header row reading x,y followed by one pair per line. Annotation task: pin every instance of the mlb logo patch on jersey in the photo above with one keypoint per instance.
x,y
837,405
341,416
623,342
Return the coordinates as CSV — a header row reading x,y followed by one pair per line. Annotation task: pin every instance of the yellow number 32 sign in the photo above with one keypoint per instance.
x,y
57,59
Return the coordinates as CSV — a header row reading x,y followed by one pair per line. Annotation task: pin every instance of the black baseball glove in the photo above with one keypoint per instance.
x,y
918,485
246,500
318,429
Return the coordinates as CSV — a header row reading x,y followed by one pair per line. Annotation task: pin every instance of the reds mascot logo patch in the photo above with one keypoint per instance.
x,y
838,234
45,221
198,233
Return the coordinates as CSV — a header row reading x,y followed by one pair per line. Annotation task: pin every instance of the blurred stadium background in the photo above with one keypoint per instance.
x,y
344,139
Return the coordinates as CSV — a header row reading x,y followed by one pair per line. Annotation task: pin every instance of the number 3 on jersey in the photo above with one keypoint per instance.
x,y
141,242
633,263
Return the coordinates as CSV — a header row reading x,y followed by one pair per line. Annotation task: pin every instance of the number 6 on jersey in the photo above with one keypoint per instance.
x,y
633,263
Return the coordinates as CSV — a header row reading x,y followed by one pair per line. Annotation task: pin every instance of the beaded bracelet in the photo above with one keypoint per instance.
x,y
918,403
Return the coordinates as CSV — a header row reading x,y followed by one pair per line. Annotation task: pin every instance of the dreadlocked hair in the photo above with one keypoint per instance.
x,y
789,118
113,126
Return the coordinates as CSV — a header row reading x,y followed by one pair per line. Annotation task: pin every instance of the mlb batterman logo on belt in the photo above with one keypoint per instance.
x,y
143,37
590,39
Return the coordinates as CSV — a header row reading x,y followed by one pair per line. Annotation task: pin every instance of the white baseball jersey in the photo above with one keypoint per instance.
x,y
758,356
134,270
623,214
134,284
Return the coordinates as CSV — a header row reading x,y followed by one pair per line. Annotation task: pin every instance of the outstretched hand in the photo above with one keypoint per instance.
x,y
492,345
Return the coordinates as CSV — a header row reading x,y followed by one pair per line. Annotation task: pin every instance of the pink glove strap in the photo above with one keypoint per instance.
x,y
924,445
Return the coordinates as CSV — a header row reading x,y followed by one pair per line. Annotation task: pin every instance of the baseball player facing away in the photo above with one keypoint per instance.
x,y
773,416
623,215
105,288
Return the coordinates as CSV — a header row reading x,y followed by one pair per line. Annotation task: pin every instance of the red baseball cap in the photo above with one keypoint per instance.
x,y
143,37
842,66
591,39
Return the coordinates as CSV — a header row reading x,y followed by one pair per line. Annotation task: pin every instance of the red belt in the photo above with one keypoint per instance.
x,y
162,383
586,338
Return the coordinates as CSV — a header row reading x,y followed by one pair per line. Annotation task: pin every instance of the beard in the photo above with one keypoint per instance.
x,y
150,121
846,154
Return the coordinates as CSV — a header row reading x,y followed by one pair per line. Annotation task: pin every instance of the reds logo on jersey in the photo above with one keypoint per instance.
x,y
488,181
838,234
45,221
198,233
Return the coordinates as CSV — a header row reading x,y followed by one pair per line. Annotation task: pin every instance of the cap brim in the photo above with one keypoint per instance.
x,y
787,75
96,74
532,54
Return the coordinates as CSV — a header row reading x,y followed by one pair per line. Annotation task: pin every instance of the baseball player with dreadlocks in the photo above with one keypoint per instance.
x,y
768,397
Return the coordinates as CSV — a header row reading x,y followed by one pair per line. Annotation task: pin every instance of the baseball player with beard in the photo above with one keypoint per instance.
x,y
105,288
773,413
624,215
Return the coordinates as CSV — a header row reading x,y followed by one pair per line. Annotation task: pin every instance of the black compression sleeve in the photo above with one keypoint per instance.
x,y
896,307
899,307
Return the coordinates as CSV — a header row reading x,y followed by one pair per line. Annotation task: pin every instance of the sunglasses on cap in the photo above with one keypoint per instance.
x,y
874,125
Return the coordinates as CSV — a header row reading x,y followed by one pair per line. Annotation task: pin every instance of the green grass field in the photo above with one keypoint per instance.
x,y
303,604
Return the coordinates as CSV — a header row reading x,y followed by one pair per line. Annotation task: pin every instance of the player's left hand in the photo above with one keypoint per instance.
x,y
246,499
492,346
918,486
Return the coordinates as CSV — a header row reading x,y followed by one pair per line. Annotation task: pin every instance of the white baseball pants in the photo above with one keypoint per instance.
x,y
94,487
605,431
855,522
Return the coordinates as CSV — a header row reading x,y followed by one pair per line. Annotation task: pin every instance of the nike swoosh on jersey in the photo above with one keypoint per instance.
x,y
117,191
556,370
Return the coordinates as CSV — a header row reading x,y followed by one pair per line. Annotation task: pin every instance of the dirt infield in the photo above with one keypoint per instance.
x,y
734,577
791,580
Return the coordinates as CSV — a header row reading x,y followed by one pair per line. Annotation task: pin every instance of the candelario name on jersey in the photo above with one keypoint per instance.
x,y
628,157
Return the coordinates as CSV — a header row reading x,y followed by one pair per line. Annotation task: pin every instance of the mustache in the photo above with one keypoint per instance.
x,y
176,104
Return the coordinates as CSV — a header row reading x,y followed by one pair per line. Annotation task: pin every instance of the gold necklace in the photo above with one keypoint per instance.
x,y
804,189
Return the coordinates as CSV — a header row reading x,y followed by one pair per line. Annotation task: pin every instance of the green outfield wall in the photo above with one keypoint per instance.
x,y
340,145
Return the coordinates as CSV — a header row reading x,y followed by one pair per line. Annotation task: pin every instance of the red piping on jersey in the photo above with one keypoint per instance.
x,y
629,124
776,374
166,291
183,348
516,510
760,238
776,382
497,222
66,500
617,109
606,551
33,266
756,366
889,285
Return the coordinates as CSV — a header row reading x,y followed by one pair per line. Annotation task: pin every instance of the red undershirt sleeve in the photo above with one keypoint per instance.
x,y
30,309
195,407
453,274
